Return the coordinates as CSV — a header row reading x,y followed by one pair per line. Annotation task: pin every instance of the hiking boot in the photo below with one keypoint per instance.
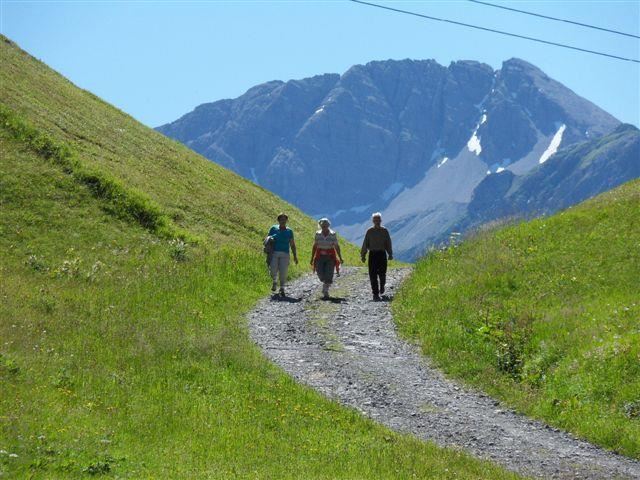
x,y
273,287
282,294
376,297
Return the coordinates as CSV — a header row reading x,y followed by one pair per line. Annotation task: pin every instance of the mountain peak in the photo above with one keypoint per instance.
x,y
545,96
469,63
520,64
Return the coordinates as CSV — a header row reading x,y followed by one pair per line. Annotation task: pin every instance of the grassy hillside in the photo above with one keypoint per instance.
x,y
545,315
128,263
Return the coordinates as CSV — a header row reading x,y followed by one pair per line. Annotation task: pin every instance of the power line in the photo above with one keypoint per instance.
x,y
554,18
477,27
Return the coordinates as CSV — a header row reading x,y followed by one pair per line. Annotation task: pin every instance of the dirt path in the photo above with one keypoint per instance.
x,y
347,348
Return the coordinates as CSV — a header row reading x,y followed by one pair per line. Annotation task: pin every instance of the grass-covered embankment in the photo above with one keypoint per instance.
x,y
544,315
124,349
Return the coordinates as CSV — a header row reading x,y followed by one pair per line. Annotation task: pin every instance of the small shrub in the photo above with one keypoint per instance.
x,y
95,269
100,467
9,365
509,333
178,250
509,358
69,268
632,409
63,379
512,339
36,263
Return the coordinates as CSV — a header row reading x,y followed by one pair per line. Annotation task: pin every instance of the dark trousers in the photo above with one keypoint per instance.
x,y
377,268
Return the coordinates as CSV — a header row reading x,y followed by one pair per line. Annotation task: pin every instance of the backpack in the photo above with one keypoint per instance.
x,y
267,247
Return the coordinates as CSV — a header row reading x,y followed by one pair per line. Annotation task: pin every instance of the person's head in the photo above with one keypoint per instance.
x,y
324,223
376,218
282,219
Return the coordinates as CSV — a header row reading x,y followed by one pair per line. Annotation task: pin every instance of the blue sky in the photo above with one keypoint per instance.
x,y
157,60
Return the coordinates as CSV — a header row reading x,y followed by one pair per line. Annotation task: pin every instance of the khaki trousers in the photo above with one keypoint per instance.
x,y
279,265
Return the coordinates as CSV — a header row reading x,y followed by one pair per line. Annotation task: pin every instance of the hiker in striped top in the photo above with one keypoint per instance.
x,y
325,255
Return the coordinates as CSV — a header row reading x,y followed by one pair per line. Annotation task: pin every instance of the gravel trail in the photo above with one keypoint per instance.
x,y
347,348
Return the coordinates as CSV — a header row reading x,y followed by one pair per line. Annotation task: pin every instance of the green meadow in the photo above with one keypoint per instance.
x,y
544,315
128,266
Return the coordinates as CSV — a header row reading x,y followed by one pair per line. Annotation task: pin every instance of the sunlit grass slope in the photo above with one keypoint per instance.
x,y
545,315
128,263
209,200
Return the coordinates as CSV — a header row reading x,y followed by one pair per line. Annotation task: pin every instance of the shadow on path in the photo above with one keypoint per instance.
x,y
334,299
279,298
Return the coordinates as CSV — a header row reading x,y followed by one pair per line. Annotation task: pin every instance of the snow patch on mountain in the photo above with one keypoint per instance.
x,y
531,159
499,167
474,142
442,162
554,145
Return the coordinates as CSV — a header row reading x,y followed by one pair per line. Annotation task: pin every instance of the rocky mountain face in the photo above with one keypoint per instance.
x,y
412,139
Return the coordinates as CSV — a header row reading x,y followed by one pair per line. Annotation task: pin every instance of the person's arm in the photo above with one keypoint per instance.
x,y
337,247
388,246
365,246
292,242
313,252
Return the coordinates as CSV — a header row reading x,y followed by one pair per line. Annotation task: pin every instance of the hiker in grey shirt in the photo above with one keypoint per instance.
x,y
325,255
377,242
